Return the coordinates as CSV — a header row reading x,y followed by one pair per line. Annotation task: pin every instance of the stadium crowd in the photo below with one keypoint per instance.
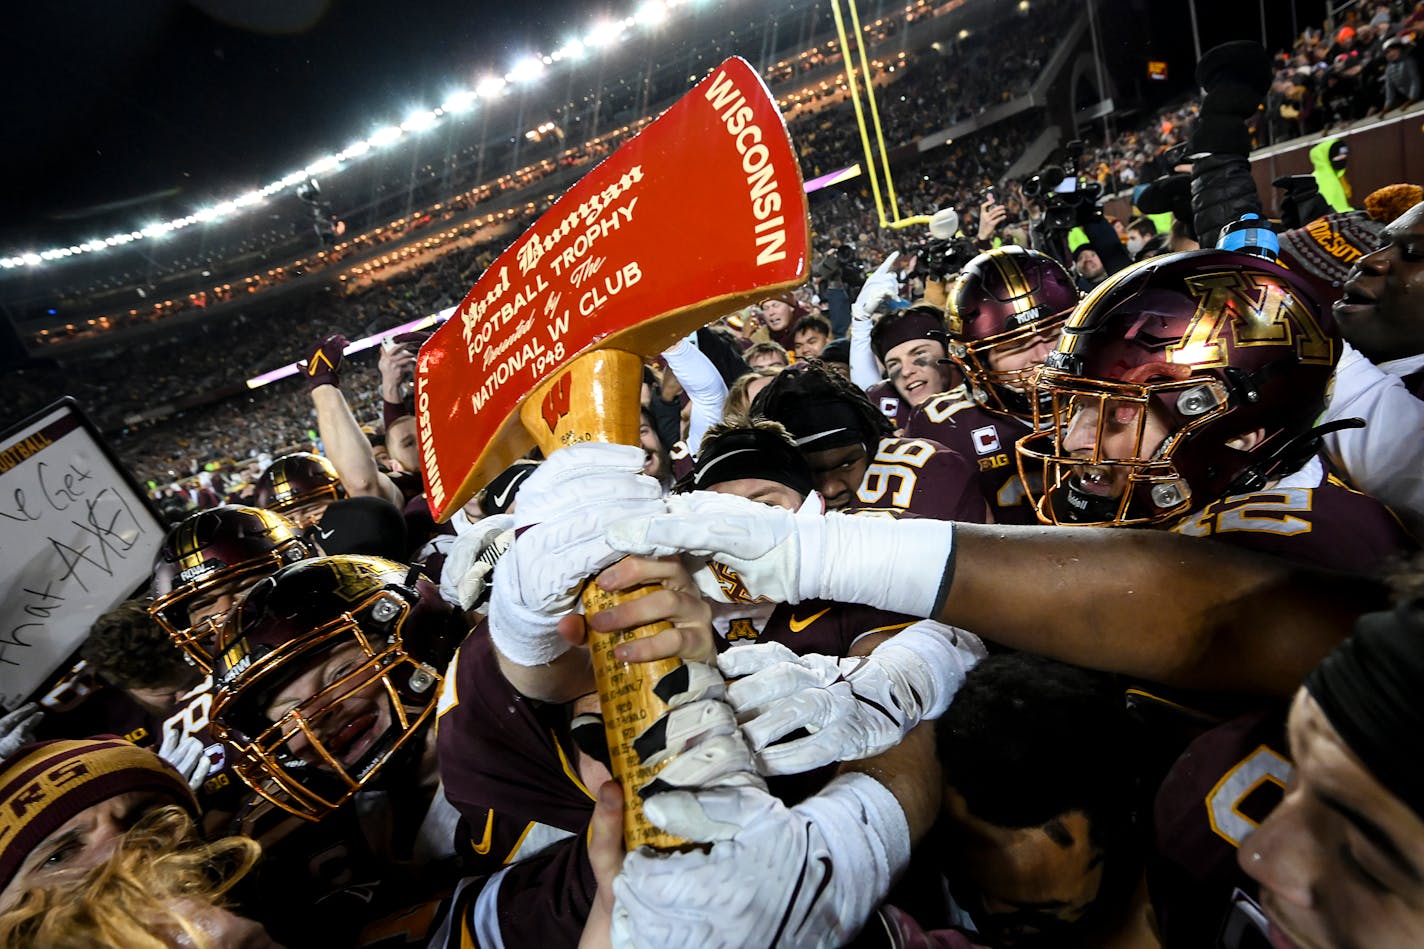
x,y
1049,581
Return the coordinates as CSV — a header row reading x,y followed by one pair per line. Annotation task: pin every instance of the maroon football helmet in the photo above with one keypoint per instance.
x,y
299,485
1161,380
1000,301
326,675
220,551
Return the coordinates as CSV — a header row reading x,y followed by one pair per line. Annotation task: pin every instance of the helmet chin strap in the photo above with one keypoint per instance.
x,y
1289,456
1076,506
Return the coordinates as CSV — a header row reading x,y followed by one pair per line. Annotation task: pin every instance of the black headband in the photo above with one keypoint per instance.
x,y
752,453
902,326
1371,688
816,425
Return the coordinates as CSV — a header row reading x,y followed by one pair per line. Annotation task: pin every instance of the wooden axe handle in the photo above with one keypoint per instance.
x,y
597,398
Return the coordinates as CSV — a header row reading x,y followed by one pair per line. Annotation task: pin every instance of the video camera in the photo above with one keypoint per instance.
x,y
938,258
841,265
1062,190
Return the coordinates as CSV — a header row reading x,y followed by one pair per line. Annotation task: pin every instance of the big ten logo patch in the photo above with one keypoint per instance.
x,y
889,407
556,402
742,630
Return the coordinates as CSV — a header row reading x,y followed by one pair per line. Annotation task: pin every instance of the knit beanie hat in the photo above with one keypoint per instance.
x,y
45,784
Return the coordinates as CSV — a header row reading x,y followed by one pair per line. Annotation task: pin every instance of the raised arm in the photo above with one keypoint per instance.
x,y
343,442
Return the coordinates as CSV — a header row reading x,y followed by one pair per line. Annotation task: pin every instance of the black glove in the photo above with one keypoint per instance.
x,y
1236,77
322,367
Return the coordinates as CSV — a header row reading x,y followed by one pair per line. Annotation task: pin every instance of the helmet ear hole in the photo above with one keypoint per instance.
x,y
1247,441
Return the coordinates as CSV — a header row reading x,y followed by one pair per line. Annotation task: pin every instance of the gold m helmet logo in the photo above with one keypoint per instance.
x,y
1257,311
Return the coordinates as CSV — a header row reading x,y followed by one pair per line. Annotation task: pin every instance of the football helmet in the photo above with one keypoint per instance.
x,y
1001,301
299,485
1150,405
325,676
223,550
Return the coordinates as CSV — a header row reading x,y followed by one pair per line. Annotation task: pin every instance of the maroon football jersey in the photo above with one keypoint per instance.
x,y
684,462
499,750
988,439
812,626
1310,517
885,397
1216,794
510,768
827,628
921,478
81,705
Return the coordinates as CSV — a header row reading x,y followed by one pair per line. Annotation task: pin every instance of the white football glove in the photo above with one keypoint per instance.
x,y
567,505
785,557
852,708
465,578
187,754
697,742
17,728
880,286
806,876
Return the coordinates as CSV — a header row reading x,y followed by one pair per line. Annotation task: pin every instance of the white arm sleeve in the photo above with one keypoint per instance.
x,y
864,371
702,383
1386,457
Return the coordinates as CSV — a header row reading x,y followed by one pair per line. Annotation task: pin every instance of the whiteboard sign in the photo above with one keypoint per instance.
x,y
76,537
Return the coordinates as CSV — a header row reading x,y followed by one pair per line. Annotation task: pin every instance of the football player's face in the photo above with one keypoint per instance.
x,y
915,371
1018,359
777,314
308,514
84,841
214,603
838,473
1340,861
355,723
1382,310
1103,432
209,609
1026,882
772,493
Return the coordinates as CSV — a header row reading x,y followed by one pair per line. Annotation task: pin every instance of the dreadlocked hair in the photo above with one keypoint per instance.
x,y
808,384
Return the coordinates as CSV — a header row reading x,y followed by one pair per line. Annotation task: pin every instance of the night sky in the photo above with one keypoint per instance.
x,y
115,102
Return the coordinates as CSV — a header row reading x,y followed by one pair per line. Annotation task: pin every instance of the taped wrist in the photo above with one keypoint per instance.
x,y
865,836
524,636
889,564
931,660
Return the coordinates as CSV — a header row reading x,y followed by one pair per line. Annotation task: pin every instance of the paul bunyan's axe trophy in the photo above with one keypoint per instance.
x,y
699,214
